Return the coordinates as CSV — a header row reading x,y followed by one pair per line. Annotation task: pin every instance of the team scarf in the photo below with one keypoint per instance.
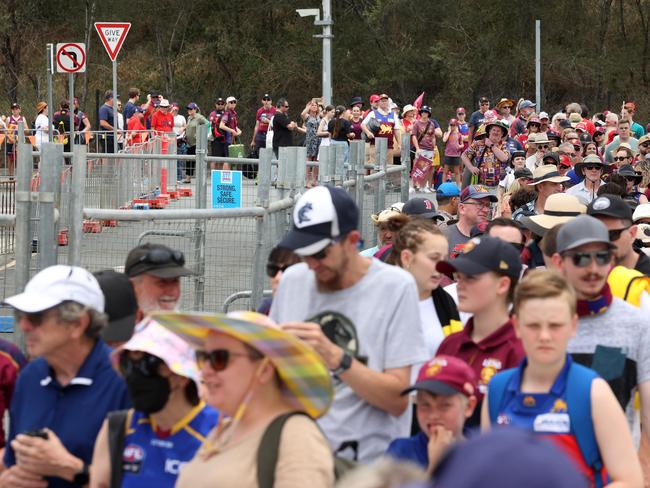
x,y
597,306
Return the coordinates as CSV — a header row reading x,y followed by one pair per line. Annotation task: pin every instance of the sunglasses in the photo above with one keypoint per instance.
x,y
36,318
542,146
286,106
616,158
593,167
162,256
583,259
147,365
564,166
645,144
534,125
463,113
615,234
217,359
320,255
274,269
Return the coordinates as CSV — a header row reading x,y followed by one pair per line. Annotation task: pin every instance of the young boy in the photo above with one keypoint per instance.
x,y
445,397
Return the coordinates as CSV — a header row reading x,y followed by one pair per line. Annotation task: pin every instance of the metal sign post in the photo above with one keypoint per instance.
x,y
112,35
50,71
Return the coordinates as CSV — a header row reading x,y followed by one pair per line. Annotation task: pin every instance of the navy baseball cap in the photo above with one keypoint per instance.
x,y
192,106
448,189
420,207
482,255
476,192
321,216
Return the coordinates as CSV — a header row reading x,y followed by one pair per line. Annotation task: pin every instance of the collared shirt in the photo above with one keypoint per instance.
x,y
75,412
496,352
579,190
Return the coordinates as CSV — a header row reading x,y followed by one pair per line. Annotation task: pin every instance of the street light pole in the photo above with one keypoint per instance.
x,y
327,37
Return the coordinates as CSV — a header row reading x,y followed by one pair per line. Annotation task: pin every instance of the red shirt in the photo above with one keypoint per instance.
x,y
264,126
134,124
11,361
161,122
498,351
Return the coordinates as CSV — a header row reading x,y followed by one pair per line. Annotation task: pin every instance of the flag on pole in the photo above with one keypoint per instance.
x,y
418,101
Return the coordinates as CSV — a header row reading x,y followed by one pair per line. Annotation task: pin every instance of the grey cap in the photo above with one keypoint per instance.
x,y
582,230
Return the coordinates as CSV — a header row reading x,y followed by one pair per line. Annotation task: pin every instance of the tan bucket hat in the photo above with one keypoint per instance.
x,y
547,172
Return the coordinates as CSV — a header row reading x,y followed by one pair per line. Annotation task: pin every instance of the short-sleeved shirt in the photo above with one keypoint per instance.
x,y
425,133
344,129
229,119
490,168
264,116
151,459
129,110
161,122
413,449
282,136
106,113
383,306
456,239
75,412
476,119
496,352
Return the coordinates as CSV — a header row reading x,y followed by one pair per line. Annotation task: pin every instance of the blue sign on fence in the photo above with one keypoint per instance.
x,y
226,189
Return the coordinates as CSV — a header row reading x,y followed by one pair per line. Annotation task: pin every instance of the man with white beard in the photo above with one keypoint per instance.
x,y
155,271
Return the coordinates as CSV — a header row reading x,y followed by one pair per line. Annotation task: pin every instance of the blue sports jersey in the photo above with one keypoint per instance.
x,y
152,460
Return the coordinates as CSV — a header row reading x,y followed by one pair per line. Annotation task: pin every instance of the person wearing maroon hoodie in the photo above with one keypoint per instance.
x,y
487,271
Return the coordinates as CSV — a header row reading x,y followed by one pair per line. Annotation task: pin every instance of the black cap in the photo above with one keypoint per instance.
x,y
121,305
482,255
356,101
610,206
523,173
266,96
551,155
421,207
220,100
15,105
156,260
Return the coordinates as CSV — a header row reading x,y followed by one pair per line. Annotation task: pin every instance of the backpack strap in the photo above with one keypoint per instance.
x,y
578,395
267,452
497,392
116,433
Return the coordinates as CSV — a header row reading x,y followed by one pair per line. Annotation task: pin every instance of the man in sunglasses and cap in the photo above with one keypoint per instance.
x,y
64,393
378,306
155,271
613,337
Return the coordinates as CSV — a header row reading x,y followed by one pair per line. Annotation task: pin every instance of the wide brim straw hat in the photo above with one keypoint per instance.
x,y
558,209
547,172
306,381
40,106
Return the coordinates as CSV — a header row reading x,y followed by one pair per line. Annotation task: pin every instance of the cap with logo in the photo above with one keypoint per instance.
x,y
420,207
121,305
448,189
220,101
482,255
643,233
445,375
15,105
157,260
57,284
582,230
610,206
266,96
476,192
321,216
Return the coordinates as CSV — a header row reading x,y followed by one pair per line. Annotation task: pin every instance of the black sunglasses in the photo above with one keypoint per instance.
x,y
147,365
217,359
542,146
162,256
593,166
617,158
615,234
272,269
35,318
320,254
583,259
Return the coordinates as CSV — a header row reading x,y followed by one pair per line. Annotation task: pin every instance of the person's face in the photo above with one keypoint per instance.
x,y
527,111
220,106
384,233
622,235
559,119
623,129
542,147
266,103
422,263
480,291
331,269
545,326
621,158
447,411
225,390
232,105
588,280
356,111
460,116
548,188
496,134
383,104
519,162
505,110
191,112
591,149
15,111
119,106
480,140
424,116
593,172
474,211
164,109
533,128
45,333
563,169
410,114
644,148
154,293
484,106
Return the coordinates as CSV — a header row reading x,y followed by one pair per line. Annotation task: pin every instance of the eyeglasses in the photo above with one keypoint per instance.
x,y
645,144
273,269
622,158
479,204
509,107
162,256
320,255
36,318
583,259
571,155
593,167
218,359
147,365
615,234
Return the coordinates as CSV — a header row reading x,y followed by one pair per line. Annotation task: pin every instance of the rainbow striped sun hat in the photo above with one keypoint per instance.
x,y
306,381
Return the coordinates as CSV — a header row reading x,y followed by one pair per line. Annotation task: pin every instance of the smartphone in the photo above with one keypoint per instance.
x,y
42,433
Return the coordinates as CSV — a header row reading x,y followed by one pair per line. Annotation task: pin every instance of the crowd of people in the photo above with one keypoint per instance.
x,y
502,313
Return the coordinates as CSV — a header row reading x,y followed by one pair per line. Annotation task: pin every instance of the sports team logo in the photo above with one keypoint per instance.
x,y
132,458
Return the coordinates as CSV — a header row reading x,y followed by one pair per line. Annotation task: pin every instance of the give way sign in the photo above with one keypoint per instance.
x,y
112,35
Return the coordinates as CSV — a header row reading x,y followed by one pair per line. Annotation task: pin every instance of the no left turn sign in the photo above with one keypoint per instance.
x,y
71,57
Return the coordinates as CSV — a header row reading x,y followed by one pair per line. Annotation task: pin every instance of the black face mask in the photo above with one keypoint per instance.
x,y
148,393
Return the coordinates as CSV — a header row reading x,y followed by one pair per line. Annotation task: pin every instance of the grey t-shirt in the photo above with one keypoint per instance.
x,y
455,238
383,306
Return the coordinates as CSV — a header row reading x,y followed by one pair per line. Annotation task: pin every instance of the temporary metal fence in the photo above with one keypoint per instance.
x,y
86,213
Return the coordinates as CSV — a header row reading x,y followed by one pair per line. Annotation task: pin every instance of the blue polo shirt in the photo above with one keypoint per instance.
x,y
75,412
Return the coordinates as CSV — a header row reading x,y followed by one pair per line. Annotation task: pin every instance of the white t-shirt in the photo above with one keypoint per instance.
x,y
41,125
431,330
383,306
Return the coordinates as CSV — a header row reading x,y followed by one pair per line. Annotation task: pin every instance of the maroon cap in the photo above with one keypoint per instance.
x,y
445,375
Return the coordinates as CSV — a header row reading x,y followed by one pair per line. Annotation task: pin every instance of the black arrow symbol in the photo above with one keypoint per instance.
x,y
73,56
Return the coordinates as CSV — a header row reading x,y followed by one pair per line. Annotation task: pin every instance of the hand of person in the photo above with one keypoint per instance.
x,y
474,170
439,441
292,125
488,143
370,135
238,132
17,477
47,457
253,143
313,335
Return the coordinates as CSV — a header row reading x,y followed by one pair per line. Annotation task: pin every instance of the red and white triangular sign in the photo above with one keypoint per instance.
x,y
112,35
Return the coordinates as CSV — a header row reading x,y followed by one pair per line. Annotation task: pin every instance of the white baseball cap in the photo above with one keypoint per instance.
x,y
58,284
231,99
641,212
